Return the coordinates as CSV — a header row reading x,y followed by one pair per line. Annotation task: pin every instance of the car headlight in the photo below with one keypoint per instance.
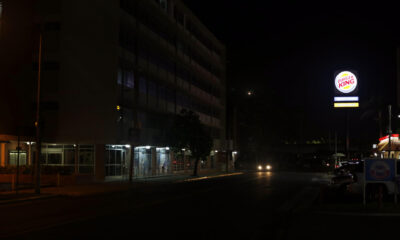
x,y
268,167
259,167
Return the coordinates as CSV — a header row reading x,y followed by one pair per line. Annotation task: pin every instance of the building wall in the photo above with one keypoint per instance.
x,y
113,72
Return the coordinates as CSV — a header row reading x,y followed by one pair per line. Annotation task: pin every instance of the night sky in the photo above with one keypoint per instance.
x,y
287,52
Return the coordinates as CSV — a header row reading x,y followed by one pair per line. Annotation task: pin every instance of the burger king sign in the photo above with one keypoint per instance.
x,y
346,82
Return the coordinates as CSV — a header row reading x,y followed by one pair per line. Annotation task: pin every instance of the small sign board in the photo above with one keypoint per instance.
x,y
380,169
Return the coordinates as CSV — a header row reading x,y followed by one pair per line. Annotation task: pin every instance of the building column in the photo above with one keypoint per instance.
x,y
171,162
153,161
76,162
3,155
29,154
100,168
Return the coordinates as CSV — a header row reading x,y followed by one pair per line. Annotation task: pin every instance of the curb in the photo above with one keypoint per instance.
x,y
11,201
356,214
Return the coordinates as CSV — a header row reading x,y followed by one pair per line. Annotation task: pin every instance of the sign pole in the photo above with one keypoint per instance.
x,y
390,130
365,179
395,182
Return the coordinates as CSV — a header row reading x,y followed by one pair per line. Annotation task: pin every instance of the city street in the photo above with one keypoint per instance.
x,y
255,205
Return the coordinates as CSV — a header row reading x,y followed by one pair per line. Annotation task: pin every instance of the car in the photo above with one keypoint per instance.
x,y
264,167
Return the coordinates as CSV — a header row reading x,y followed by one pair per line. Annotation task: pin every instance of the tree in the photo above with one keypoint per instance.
x,y
189,133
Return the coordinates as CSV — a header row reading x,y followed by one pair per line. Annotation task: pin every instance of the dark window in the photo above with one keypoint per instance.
x,y
142,85
152,89
52,26
398,167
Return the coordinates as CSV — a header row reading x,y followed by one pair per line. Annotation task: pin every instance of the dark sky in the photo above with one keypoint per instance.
x,y
287,52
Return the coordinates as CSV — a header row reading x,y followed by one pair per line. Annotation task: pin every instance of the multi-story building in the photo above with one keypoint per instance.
x,y
113,75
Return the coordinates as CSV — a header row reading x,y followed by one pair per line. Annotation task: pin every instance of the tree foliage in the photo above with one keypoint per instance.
x,y
189,133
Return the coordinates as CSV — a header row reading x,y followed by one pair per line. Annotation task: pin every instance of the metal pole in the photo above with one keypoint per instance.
x,y
390,130
335,150
395,181
347,136
364,201
37,123
16,181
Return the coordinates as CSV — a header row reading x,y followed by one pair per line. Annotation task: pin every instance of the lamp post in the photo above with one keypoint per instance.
x,y
37,123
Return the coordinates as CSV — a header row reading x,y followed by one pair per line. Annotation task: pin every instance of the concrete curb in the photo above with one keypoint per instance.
x,y
20,200
356,214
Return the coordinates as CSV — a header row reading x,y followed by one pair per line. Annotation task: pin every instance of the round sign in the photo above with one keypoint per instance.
x,y
380,170
346,82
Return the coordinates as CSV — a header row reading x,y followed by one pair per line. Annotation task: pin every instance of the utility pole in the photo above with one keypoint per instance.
x,y
37,123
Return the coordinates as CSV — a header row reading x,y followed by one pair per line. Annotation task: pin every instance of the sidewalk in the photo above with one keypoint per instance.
x,y
101,187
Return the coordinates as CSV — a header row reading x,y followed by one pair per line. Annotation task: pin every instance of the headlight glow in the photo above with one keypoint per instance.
x,y
259,167
268,167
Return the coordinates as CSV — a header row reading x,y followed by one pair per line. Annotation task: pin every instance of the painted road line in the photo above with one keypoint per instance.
x,y
209,177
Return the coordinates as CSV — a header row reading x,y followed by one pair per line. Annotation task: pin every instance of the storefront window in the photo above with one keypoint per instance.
x,y
13,156
64,155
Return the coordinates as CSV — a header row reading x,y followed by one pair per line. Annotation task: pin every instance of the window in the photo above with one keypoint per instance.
x,y
163,4
126,78
152,89
13,156
142,85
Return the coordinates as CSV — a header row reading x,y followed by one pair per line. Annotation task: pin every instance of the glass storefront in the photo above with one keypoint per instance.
x,y
163,161
66,154
142,162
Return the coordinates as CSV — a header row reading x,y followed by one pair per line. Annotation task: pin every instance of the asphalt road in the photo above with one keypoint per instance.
x,y
248,206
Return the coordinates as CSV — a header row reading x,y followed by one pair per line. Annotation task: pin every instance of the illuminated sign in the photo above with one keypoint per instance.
x,y
346,99
386,138
346,89
347,105
346,82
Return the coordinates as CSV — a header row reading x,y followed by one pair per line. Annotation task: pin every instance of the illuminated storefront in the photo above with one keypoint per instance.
x,y
384,147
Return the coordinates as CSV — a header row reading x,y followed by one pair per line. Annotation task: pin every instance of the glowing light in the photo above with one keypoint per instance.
x,y
347,105
148,147
167,148
259,167
268,167
128,146
118,107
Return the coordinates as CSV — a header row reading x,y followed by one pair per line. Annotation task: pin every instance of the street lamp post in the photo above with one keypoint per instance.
x,y
37,123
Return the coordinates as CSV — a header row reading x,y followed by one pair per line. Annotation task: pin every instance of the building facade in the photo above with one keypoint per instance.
x,y
113,75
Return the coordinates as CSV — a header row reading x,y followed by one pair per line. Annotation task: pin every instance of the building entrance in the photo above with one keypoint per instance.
x,y
116,160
